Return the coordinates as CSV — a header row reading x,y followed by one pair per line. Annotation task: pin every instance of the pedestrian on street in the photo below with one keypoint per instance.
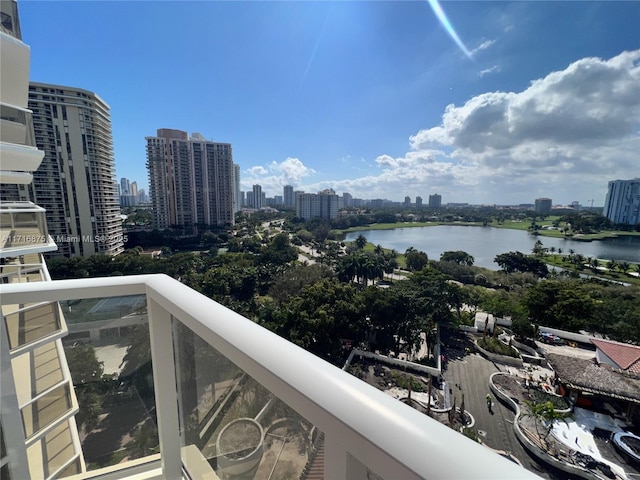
x,y
489,402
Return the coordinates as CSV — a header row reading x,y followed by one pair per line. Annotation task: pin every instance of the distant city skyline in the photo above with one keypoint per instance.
x,y
370,98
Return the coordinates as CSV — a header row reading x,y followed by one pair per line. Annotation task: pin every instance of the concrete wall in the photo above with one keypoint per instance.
x,y
396,362
575,337
514,362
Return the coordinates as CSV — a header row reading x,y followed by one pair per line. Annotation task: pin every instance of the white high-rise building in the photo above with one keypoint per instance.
x,y
622,203
323,204
191,180
38,405
76,181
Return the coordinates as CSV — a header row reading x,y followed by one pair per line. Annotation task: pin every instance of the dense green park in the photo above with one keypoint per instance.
x,y
334,298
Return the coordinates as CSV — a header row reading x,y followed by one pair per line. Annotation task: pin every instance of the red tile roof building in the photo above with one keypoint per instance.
x,y
619,355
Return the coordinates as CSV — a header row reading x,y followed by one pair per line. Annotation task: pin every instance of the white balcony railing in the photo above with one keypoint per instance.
x,y
367,433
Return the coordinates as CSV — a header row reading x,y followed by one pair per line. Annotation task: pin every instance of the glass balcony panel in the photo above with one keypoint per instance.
x,y
46,409
22,225
109,356
21,269
32,324
16,126
58,448
47,368
54,454
73,468
239,426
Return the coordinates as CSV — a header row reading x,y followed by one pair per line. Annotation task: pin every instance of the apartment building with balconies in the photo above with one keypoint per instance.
x,y
191,180
38,405
76,182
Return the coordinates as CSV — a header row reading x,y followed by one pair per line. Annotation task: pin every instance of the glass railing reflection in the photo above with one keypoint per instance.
x,y
240,427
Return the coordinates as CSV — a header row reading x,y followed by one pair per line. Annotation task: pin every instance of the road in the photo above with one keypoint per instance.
x,y
469,373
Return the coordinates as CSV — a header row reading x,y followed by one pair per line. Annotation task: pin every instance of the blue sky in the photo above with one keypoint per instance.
x,y
373,98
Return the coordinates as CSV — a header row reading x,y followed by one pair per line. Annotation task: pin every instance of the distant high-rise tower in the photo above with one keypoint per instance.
x,y
346,199
76,181
125,186
38,430
622,203
191,180
418,202
257,197
435,201
543,205
289,199
407,202
237,197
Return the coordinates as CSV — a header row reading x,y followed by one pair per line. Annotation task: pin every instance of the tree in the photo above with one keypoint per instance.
x,y
294,279
460,257
416,260
518,262
319,318
360,242
523,328
144,440
544,415
86,372
538,249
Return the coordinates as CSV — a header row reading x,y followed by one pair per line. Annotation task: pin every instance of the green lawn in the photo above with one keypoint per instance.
x,y
617,276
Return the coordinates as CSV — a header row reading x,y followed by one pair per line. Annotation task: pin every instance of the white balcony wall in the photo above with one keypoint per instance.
x,y
367,432
21,158
14,74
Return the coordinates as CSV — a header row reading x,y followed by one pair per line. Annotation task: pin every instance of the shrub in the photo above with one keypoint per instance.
x,y
404,381
494,345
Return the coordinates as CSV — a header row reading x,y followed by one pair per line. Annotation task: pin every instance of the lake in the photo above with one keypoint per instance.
x,y
484,243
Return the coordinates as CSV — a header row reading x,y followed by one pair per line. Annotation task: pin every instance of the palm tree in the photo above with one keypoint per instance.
x,y
538,249
360,242
378,250
544,415
624,266
611,265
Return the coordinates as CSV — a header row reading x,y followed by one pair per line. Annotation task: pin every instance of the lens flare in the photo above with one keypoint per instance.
x,y
442,17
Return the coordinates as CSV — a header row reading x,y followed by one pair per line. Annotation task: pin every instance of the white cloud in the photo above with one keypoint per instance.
x,y
257,170
486,71
276,175
564,137
483,46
